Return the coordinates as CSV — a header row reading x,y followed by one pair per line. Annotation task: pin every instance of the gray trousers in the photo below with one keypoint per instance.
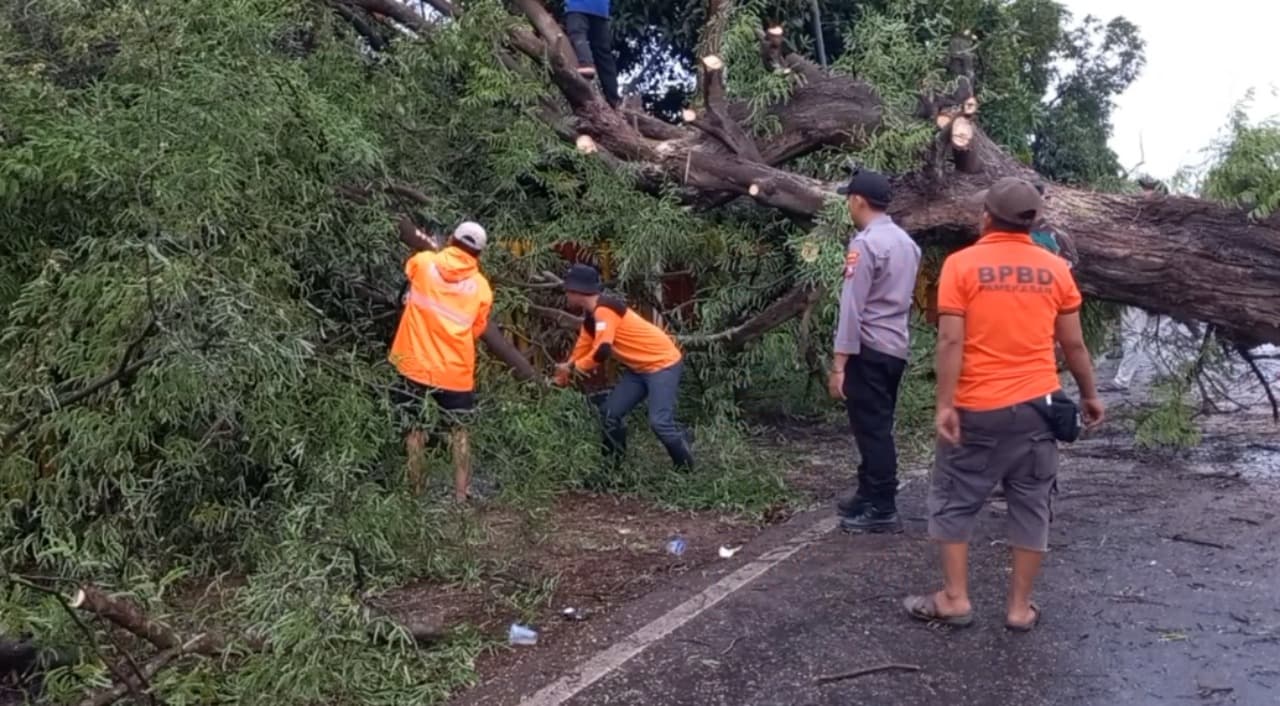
x,y
662,388
1014,447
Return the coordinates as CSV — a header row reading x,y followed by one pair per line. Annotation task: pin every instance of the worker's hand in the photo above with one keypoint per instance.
x,y
1092,412
835,384
564,372
947,423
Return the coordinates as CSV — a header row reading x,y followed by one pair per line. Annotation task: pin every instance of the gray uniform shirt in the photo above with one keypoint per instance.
x,y
879,281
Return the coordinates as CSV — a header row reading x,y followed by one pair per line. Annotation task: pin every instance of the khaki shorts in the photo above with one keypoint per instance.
x,y
1013,446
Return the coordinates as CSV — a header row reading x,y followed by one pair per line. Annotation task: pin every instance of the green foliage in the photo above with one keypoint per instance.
x,y
1102,60
1244,164
1170,424
168,183
169,178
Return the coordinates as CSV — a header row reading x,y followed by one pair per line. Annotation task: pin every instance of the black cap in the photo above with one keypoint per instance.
x,y
872,186
582,279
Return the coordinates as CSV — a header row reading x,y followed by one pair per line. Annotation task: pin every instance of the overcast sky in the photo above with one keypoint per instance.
x,y
1201,59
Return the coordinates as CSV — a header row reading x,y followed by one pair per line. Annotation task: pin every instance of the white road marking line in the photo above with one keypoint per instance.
x,y
603,663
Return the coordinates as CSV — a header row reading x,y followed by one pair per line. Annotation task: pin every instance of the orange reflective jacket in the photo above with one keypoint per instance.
x,y
614,330
446,310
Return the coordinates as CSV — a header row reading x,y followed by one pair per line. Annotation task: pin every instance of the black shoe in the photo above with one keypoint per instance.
x,y
872,521
853,504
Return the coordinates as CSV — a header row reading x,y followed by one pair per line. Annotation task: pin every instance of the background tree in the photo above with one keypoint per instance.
x,y
1244,165
198,278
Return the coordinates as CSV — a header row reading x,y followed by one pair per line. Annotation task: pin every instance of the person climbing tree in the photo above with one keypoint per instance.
x,y
653,362
446,309
587,22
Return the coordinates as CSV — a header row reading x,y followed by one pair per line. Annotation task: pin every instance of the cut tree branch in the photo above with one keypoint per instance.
x,y
778,56
361,25
792,304
125,614
133,683
444,7
397,11
716,120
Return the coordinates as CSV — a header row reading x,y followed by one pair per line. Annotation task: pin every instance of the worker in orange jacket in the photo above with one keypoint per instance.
x,y
446,309
652,361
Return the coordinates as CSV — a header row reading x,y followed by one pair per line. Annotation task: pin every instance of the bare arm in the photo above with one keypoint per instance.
x,y
838,361
950,358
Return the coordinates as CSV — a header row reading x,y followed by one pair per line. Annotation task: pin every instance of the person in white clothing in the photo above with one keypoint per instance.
x,y
1134,331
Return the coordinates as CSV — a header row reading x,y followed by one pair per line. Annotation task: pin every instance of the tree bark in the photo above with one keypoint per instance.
x,y
396,10
1167,254
23,657
125,614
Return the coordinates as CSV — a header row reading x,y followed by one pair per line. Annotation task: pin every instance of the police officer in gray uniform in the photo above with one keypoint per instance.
x,y
871,348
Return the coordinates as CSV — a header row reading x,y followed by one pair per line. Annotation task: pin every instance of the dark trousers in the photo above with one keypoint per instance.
x,y
592,39
871,381
662,388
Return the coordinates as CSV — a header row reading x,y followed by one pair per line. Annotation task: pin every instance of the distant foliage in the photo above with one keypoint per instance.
x,y
1244,166
194,312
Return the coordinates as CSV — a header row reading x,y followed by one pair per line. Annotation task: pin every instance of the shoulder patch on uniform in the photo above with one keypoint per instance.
x,y
850,263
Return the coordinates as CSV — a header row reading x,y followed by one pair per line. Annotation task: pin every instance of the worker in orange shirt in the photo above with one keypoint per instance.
x,y
652,360
446,309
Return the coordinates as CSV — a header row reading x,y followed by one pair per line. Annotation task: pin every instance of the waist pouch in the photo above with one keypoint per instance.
x,y
1063,415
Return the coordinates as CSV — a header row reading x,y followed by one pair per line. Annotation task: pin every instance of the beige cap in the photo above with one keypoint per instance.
x,y
471,234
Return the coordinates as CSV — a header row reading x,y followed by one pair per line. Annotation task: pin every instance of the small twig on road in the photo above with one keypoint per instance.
x,y
1131,598
1206,692
1221,475
732,645
1246,521
864,672
1198,542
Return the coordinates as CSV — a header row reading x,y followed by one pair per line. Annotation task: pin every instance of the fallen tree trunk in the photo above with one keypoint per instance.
x,y
1171,255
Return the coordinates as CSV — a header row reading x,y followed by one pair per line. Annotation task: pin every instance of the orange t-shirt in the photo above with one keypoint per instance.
x,y
446,310
1010,292
614,329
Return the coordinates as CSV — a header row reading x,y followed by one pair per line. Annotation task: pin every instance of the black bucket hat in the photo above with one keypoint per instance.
x,y
582,279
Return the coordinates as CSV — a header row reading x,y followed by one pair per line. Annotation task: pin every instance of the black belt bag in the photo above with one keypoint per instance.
x,y
1063,415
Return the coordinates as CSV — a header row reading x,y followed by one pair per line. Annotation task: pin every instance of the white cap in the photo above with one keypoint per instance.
x,y
471,234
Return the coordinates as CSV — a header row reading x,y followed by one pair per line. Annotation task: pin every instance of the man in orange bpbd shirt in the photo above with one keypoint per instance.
x,y
610,329
446,309
1002,304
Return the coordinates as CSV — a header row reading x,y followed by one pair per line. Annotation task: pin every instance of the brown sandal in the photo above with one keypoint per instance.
x,y
1026,627
925,608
